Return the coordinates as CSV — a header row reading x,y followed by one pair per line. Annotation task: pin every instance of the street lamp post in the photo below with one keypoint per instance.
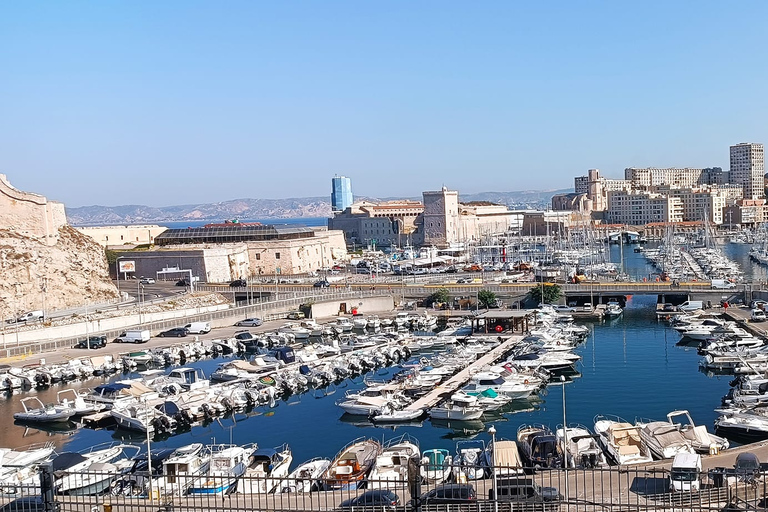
x,y
492,431
565,441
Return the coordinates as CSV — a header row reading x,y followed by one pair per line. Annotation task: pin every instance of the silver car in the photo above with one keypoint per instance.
x,y
249,322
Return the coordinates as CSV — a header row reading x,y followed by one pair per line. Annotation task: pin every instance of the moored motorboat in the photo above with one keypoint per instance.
x,y
37,412
266,469
227,464
392,466
621,441
351,464
306,477
436,466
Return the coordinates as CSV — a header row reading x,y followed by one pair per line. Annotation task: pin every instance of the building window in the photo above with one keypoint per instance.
x,y
258,256
277,255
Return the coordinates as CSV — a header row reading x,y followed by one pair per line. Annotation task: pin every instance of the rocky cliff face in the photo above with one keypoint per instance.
x,y
71,273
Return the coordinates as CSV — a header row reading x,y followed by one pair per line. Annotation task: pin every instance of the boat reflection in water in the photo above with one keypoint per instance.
x,y
364,421
459,429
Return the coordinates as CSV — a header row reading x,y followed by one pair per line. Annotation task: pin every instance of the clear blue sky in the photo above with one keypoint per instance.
x,y
170,102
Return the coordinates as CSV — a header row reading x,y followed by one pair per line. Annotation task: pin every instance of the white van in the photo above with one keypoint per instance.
x,y
198,327
31,316
722,284
685,471
758,315
134,336
691,305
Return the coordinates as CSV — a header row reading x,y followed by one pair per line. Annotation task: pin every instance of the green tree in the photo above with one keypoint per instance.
x,y
486,298
440,295
545,293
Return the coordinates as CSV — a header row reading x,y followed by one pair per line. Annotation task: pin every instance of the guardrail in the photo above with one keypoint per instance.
x,y
266,310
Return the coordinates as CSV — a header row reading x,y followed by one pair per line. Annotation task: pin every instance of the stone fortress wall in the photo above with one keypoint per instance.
x,y
30,215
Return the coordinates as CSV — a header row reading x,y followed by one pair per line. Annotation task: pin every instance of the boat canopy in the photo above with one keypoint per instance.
x,y
506,454
67,460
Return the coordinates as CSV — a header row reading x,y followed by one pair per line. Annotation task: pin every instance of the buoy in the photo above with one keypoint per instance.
x,y
525,381
499,328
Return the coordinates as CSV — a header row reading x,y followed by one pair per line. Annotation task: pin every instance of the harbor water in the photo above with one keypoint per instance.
x,y
631,366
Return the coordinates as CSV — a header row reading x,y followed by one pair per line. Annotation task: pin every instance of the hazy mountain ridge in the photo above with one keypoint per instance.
x,y
267,208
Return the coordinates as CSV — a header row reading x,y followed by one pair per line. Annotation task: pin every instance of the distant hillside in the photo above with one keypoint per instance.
x,y
267,208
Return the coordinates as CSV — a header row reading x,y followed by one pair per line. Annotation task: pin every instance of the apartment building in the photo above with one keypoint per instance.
x,y
642,208
748,169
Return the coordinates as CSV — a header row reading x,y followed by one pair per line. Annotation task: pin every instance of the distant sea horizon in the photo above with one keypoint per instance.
x,y
294,221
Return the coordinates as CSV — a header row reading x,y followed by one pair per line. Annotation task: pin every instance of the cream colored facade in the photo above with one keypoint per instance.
x,y
30,215
643,208
699,204
297,256
111,236
597,188
388,223
481,220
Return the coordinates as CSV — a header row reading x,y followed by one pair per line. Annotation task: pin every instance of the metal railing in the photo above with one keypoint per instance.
x,y
509,489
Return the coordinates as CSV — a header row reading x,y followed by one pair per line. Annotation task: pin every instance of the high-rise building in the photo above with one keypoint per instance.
x,y
748,168
341,193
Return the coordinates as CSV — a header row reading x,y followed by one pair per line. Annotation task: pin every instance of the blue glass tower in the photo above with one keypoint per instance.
x,y
341,193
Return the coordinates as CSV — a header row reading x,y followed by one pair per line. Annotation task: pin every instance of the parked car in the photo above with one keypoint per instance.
x,y
249,322
296,315
92,342
758,315
239,283
182,282
322,284
176,332
758,304
375,498
562,308
449,493
147,280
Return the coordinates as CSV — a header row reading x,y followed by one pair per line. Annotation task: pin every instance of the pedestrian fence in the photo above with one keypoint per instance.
x,y
504,490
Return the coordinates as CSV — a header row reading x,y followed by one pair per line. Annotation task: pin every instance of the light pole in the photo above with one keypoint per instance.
x,y
139,288
117,273
565,441
492,431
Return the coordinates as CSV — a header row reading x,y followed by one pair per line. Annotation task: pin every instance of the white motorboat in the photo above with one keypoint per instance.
x,y
92,478
344,324
227,464
471,460
582,449
360,323
305,477
365,406
391,415
71,398
37,412
141,417
663,439
613,309
267,470
391,467
701,440
515,390
456,410
372,322
504,458
436,466
621,441
184,468
18,467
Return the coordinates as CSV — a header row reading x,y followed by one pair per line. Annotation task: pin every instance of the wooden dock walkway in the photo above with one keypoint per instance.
x,y
454,383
